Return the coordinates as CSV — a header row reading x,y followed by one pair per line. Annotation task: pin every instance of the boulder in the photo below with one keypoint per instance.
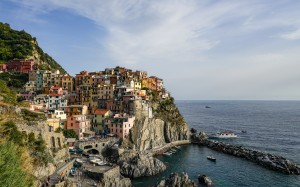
x,y
141,165
203,179
175,180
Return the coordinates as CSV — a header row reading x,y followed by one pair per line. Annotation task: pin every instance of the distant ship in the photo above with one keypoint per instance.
x,y
223,134
207,107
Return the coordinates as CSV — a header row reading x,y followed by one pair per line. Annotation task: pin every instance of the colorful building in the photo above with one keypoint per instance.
x,y
81,125
57,101
53,124
21,65
73,110
120,125
100,117
68,83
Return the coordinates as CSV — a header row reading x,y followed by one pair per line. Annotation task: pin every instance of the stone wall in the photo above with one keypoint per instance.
x,y
53,140
111,177
266,160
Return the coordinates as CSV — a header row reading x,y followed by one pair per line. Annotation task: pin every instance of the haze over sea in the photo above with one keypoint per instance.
x,y
272,126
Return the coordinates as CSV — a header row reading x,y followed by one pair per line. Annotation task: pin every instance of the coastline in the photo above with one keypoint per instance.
x,y
267,160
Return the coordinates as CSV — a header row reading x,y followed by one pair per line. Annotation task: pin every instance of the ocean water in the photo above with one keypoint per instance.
x,y
272,126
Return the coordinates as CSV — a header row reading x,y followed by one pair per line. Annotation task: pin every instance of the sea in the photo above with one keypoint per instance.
x,y
271,126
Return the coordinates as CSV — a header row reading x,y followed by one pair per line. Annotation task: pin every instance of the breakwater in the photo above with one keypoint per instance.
x,y
267,160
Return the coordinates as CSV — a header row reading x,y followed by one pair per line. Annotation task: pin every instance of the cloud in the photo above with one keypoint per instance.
x,y
294,35
213,49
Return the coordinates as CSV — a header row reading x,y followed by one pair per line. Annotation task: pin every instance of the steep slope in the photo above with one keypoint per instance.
x,y
166,126
21,45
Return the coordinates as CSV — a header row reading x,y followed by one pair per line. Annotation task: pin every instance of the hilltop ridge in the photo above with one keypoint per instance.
x,y
21,45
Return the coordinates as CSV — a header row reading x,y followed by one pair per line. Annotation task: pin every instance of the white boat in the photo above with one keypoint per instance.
x,y
223,134
79,160
101,163
167,153
95,160
211,158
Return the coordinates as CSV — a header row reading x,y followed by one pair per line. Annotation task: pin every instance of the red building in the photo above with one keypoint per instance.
x,y
21,65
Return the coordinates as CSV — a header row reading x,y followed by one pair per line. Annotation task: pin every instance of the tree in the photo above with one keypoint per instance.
x,y
70,133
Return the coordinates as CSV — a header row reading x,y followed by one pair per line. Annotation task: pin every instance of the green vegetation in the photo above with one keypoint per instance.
x,y
168,111
21,45
14,44
11,172
7,95
68,133
32,116
15,80
36,146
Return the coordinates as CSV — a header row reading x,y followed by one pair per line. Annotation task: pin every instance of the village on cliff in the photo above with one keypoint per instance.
x,y
91,103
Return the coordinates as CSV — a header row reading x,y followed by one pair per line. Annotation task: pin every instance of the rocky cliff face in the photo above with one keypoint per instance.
x,y
165,126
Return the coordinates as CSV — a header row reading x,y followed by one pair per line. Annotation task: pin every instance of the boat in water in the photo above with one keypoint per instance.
x,y
211,158
223,134
207,107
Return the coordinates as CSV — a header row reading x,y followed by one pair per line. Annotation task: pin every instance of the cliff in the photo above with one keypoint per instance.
x,y
165,125
156,129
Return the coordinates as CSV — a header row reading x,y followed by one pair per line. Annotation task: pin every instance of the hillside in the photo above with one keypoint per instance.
x,y
21,45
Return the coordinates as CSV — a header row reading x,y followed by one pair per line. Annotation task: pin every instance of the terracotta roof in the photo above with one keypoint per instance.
x,y
100,111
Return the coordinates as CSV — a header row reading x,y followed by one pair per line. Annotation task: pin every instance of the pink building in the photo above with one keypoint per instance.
x,y
28,95
81,125
56,90
121,124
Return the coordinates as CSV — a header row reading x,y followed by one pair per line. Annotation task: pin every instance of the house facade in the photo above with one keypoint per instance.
x,y
120,125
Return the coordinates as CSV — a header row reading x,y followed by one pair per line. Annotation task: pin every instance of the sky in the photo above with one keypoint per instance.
x,y
202,49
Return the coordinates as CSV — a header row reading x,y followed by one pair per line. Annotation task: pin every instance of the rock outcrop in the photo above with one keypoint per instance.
x,y
175,180
141,165
110,178
166,125
273,162
203,179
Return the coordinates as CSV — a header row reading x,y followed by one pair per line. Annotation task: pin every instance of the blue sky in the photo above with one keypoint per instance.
x,y
208,49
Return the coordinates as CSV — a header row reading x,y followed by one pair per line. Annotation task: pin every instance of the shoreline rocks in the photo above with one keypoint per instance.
x,y
203,179
141,165
176,179
267,160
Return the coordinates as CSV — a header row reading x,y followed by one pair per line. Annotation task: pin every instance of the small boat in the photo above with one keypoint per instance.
x,y
79,160
211,158
101,163
207,107
167,153
243,131
223,134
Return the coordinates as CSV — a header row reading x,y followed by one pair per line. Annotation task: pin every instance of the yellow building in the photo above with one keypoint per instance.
x,y
53,124
72,110
100,118
106,91
67,83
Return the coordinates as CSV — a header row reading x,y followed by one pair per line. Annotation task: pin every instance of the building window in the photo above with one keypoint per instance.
x,y
71,124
